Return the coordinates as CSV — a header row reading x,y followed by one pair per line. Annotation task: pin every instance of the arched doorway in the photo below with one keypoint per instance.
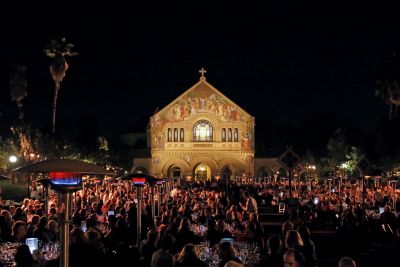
x,y
175,171
202,172
282,173
263,172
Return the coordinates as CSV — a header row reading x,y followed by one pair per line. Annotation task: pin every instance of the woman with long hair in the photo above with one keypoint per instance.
x,y
188,257
293,240
7,218
308,246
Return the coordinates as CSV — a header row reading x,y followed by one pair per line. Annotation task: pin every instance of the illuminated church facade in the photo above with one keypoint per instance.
x,y
200,135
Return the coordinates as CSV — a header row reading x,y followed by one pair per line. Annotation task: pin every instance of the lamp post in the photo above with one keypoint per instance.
x,y
159,195
344,167
13,159
139,184
310,168
394,183
152,181
65,183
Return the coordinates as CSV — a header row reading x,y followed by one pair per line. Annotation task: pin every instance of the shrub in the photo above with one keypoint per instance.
x,y
12,191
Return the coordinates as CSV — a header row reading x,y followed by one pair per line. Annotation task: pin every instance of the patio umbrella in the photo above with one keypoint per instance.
x,y
63,165
129,176
4,178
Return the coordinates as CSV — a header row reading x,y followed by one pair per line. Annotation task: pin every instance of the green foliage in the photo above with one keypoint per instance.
x,y
7,148
352,158
13,191
337,149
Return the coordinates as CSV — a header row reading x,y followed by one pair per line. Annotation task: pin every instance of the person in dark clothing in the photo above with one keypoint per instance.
x,y
77,218
227,253
32,226
206,215
189,257
294,258
308,246
79,250
222,200
92,223
19,215
273,258
388,217
185,235
162,257
212,234
286,227
5,230
42,232
23,257
172,228
118,236
149,246
254,230
97,248
18,232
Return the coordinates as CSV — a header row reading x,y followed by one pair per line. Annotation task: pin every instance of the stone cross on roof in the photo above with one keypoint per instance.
x,y
202,71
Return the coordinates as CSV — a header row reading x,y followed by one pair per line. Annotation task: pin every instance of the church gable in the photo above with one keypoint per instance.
x,y
202,98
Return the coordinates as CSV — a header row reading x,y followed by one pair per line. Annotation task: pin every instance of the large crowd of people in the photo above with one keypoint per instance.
x,y
104,222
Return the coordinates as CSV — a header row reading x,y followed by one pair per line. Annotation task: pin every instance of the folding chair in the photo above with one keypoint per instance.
x,y
281,207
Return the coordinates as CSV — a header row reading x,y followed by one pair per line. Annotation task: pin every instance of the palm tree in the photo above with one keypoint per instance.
x,y
58,50
18,85
388,87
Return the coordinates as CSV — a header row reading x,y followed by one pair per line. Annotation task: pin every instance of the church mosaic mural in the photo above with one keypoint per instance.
x,y
201,99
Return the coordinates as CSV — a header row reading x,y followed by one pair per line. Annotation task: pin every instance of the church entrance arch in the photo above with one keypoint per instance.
x,y
264,172
202,172
174,171
282,173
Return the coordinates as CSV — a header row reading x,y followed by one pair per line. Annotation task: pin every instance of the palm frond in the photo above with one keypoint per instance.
x,y
58,47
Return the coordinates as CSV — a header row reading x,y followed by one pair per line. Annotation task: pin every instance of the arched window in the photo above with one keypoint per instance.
x,y
175,135
229,135
202,131
236,135
182,138
169,135
223,135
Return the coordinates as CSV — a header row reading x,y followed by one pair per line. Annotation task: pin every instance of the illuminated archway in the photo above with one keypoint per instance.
x,y
174,171
202,172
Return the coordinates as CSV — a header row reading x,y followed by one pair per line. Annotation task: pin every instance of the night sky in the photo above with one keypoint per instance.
x,y
283,64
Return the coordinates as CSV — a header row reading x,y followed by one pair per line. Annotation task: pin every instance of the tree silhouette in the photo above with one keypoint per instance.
x,y
58,50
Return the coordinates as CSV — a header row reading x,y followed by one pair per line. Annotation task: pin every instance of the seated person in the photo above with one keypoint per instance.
x,y
293,258
227,253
